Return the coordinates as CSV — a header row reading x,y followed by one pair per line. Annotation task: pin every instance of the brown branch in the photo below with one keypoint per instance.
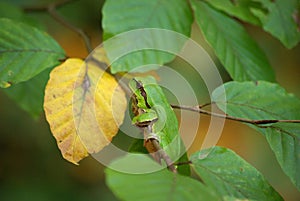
x,y
164,155
255,122
51,9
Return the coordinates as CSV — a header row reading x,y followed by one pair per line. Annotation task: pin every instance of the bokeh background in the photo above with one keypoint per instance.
x,y
31,166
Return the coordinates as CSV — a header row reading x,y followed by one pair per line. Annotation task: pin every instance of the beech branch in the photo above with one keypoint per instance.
x,y
199,109
164,155
52,10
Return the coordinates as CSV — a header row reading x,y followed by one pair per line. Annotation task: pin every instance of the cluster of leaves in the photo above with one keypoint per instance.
x,y
28,54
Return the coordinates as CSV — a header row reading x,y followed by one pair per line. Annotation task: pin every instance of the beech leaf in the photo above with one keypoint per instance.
x,y
264,100
84,106
161,185
237,51
230,175
25,52
281,19
145,44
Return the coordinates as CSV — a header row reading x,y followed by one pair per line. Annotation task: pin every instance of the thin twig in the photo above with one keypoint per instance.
x,y
51,9
183,163
255,122
206,104
124,85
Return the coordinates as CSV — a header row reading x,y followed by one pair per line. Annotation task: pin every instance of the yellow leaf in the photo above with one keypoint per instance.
x,y
84,107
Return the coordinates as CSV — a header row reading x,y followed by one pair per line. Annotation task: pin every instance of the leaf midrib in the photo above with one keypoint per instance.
x,y
30,50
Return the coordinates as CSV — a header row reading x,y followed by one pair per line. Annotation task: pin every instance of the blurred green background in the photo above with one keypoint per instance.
x,y
31,166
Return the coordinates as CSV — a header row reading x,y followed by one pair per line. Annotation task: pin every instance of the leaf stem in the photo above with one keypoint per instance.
x,y
199,109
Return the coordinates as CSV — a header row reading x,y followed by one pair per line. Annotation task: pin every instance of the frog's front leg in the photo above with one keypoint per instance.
x,y
145,119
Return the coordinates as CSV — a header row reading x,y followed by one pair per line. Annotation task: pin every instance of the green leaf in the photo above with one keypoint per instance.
x,y
161,185
230,175
257,100
29,95
263,100
173,15
284,139
237,51
238,8
146,14
25,52
281,20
